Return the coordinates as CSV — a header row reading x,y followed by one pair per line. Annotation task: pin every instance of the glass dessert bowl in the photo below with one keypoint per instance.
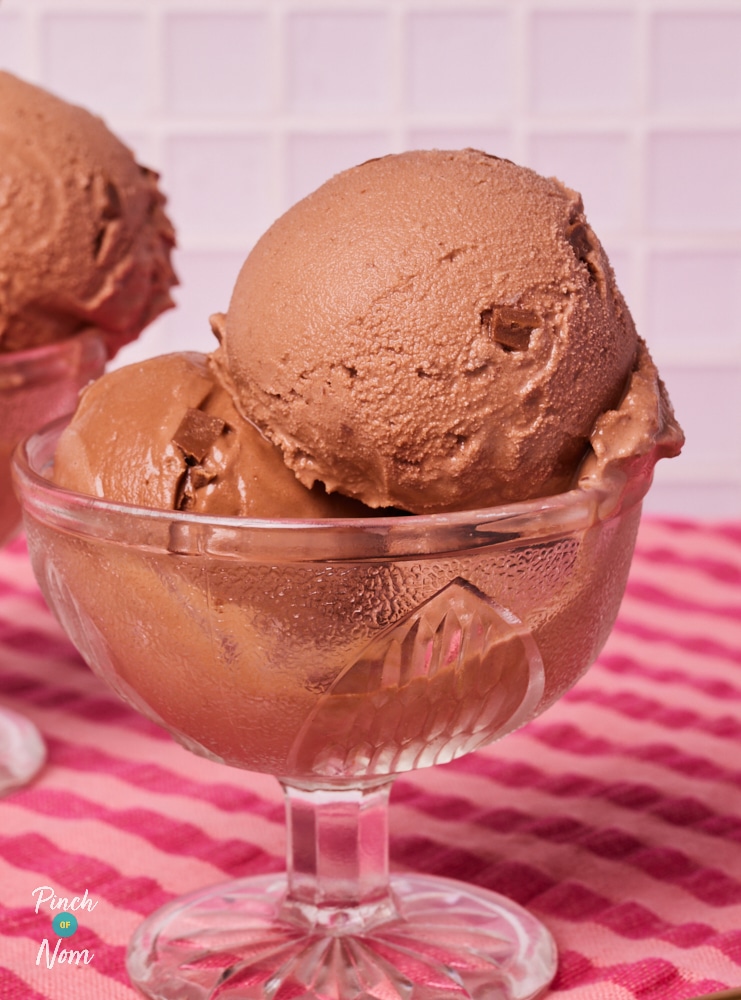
x,y
334,655
36,385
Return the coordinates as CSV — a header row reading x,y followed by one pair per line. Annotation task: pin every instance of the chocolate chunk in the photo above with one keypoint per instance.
x,y
578,237
194,478
510,327
197,433
186,494
199,477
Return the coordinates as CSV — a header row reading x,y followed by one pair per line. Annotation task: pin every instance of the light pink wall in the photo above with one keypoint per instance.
x,y
246,106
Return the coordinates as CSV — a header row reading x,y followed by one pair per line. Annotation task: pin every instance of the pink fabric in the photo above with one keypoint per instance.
x,y
616,816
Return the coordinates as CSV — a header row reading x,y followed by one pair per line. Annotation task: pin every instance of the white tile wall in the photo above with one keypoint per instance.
x,y
219,187
583,61
695,59
109,77
217,64
693,181
246,105
337,62
458,62
12,42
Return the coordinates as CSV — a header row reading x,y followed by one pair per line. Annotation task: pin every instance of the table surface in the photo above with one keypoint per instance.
x,y
615,817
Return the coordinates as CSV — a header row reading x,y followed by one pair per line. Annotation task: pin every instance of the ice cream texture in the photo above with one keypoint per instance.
x,y
165,433
429,331
84,238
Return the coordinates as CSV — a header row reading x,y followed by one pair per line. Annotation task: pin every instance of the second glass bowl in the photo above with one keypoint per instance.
x,y
36,386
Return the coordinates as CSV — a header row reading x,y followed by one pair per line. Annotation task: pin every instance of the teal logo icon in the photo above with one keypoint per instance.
x,y
64,924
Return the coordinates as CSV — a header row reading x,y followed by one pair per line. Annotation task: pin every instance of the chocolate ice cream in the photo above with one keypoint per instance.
x,y
84,260
432,331
426,332
84,239
164,433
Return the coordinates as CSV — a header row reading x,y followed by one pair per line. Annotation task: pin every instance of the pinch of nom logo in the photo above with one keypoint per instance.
x,y
64,924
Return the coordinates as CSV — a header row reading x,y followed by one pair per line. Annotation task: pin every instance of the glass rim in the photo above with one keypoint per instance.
x,y
85,353
28,355
182,531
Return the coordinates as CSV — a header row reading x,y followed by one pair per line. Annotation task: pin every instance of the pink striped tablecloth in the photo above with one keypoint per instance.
x,y
616,816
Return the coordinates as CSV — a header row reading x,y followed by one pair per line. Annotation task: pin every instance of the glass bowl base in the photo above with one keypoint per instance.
x,y
22,750
446,940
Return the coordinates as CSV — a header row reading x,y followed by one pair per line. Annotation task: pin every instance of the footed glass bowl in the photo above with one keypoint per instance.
x,y
334,655
36,386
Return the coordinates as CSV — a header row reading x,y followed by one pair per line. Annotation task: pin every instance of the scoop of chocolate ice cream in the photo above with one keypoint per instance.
x,y
431,330
84,239
164,433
